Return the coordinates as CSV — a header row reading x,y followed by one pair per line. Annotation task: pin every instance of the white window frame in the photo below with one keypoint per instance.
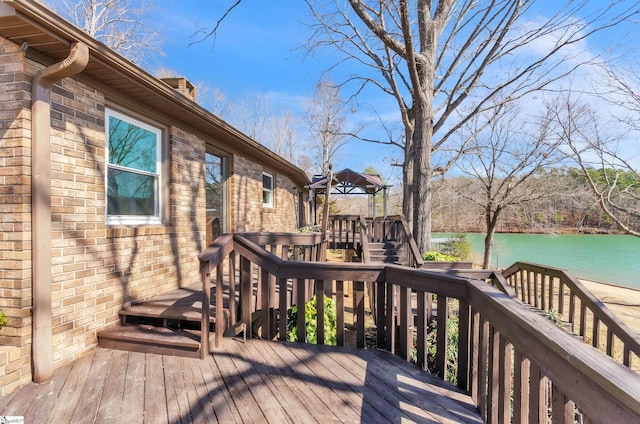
x,y
270,190
135,220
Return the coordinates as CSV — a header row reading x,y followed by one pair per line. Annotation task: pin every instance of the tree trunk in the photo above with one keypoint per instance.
x,y
488,247
407,179
422,140
492,223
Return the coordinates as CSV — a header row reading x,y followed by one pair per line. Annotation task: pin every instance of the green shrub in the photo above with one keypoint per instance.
x,y
554,316
453,332
311,323
457,246
3,320
439,257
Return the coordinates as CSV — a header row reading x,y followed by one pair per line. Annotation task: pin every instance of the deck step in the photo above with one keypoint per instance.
x,y
388,252
151,339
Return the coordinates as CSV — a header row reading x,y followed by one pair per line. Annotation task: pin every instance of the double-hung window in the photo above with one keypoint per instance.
x,y
267,190
134,164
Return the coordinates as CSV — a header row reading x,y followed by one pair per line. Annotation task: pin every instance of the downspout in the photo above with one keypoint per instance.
x,y
42,335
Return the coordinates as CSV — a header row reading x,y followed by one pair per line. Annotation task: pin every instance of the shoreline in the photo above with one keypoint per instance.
x,y
624,302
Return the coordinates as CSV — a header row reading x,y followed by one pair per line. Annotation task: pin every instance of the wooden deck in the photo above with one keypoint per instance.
x,y
253,382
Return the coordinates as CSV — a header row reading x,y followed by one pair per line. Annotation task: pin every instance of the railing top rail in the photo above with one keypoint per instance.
x,y
313,270
219,249
542,269
282,238
578,370
621,330
427,281
415,252
344,217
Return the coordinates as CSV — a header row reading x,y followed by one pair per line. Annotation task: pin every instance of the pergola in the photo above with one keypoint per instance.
x,y
348,182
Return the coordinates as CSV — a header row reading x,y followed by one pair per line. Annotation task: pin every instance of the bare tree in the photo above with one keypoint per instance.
x,y
326,120
445,62
253,115
283,136
506,158
211,98
120,24
606,160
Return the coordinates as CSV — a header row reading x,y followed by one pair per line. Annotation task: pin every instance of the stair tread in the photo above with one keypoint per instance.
x,y
148,334
173,312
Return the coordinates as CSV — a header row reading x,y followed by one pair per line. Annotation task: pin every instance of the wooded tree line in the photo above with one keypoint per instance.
x,y
565,203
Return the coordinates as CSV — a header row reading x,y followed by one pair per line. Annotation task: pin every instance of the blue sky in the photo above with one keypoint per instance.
x,y
255,49
259,49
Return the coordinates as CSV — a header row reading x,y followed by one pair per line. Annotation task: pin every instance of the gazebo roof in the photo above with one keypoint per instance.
x,y
348,182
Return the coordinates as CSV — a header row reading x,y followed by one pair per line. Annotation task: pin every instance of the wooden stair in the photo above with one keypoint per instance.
x,y
169,324
151,339
388,252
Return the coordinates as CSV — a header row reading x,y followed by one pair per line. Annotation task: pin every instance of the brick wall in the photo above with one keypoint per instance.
x,y
15,218
97,269
247,212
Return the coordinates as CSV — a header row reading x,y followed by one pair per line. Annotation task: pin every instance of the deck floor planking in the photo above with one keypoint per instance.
x,y
257,381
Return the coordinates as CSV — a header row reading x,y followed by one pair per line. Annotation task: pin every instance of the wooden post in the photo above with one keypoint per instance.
x,y
325,216
206,302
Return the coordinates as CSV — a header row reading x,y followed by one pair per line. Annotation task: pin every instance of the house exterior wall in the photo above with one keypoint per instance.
x,y
15,217
246,200
96,269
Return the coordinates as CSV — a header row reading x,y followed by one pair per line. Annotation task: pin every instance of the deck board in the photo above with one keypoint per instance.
x,y
155,401
295,408
111,403
85,410
240,395
71,391
349,393
133,411
38,410
310,400
257,381
223,405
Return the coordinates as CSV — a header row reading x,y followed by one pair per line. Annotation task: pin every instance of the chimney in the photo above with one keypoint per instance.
x,y
182,85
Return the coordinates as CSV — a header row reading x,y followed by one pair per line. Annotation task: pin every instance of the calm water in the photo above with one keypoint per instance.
x,y
613,259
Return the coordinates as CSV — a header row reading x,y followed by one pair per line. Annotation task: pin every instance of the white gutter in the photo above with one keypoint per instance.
x,y
42,336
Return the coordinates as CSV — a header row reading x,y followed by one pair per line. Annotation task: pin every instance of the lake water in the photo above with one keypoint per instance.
x,y
613,259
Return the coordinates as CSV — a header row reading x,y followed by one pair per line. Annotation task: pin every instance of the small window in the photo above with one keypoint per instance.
x,y
267,190
134,162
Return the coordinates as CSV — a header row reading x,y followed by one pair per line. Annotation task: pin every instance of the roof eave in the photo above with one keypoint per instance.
x,y
195,115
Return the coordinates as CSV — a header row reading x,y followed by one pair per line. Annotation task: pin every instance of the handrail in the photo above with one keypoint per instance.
x,y
563,359
535,285
212,258
516,364
413,246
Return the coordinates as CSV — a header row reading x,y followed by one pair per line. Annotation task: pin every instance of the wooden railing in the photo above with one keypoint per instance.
x,y
395,229
518,366
289,246
556,291
356,232
345,232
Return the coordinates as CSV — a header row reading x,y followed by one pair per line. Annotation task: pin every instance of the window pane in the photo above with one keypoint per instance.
x,y
215,196
131,146
130,194
267,182
267,189
266,197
